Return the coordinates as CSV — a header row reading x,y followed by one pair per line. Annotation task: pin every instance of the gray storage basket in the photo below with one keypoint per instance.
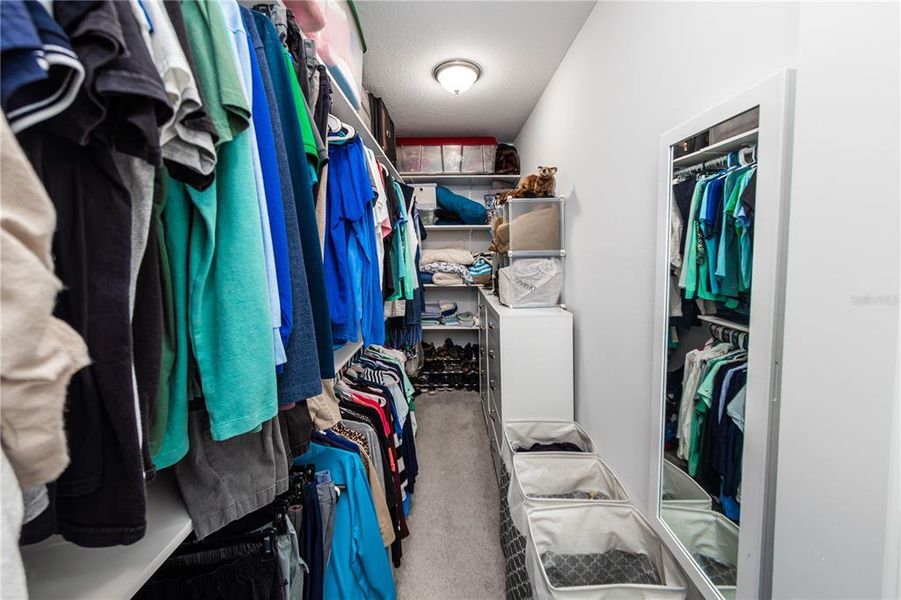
x,y
599,551
681,491
712,540
541,480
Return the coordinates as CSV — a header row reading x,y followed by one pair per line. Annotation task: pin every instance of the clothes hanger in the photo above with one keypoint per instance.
x,y
265,539
338,130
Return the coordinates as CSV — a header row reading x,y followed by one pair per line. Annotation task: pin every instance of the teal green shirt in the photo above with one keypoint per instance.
x,y
703,401
215,248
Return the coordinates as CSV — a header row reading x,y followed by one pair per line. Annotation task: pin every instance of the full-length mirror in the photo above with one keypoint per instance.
x,y
711,275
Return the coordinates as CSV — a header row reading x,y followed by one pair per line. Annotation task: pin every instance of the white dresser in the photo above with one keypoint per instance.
x,y
525,365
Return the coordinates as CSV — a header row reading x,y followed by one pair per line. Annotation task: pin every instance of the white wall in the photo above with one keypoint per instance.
x,y
635,70
638,69
840,346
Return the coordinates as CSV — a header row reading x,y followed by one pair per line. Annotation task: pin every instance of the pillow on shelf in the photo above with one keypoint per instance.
x,y
470,212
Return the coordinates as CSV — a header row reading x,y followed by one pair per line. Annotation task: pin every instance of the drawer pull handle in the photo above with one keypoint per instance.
x,y
490,325
493,415
491,385
491,353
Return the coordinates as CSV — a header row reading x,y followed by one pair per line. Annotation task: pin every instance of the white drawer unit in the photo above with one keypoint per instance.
x,y
526,365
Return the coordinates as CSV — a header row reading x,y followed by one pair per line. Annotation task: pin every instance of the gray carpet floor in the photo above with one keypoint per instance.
x,y
453,551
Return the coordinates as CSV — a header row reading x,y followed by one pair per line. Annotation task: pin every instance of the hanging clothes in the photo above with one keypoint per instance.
x,y
351,257
179,160
283,80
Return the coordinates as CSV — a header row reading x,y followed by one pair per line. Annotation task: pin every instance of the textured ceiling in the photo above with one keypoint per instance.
x,y
517,44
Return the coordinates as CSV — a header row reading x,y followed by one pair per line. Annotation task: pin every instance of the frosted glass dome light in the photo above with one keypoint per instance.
x,y
457,76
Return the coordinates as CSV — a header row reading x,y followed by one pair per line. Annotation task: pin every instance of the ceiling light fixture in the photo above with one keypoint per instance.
x,y
458,75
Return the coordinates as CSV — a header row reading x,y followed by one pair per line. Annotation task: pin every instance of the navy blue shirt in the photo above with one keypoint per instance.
x,y
299,377
303,196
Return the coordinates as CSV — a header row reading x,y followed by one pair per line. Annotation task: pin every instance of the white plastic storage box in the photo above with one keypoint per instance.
x,y
531,280
711,539
426,195
681,491
474,155
519,436
600,552
534,224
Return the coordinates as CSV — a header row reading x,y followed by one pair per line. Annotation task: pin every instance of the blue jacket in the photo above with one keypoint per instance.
x,y
358,567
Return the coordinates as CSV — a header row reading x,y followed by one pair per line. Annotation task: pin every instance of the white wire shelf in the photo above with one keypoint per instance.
x,y
724,323
346,352
458,227
448,179
342,108
720,148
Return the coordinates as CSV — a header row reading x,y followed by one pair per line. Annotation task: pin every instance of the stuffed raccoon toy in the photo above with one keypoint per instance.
x,y
541,184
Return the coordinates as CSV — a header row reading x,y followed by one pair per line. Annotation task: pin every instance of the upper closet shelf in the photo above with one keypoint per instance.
x,y
725,323
346,352
458,180
720,148
342,108
56,568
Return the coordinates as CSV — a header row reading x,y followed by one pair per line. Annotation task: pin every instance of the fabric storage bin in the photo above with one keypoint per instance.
x,y
711,539
531,282
519,436
601,551
681,491
549,479
533,224
540,480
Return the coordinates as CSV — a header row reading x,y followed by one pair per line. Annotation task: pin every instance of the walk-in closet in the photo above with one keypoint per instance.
x,y
441,300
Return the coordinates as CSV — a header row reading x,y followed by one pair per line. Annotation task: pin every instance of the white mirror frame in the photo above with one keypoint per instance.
x,y
775,97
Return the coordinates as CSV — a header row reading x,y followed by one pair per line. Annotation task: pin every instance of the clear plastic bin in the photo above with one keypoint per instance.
x,y
447,155
599,552
419,159
339,43
531,281
534,224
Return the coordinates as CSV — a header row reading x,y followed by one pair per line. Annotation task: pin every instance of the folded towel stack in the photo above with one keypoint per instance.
x,y
466,318
445,313
445,266
431,315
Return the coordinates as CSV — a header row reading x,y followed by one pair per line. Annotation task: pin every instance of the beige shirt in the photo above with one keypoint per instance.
x,y
40,353
323,407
